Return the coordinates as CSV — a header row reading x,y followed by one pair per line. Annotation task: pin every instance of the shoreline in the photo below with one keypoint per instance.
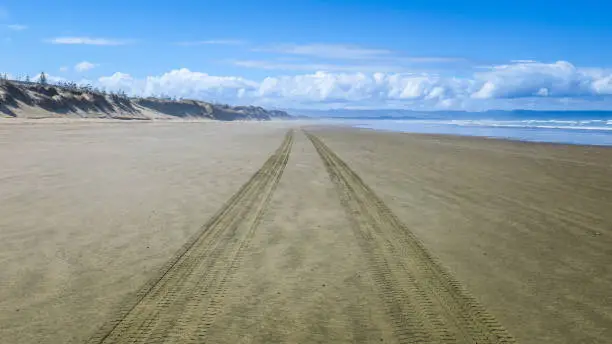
x,y
559,132
494,138
296,122
576,131
456,136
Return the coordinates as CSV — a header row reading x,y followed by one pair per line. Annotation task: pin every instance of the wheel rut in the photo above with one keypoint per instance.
x,y
181,301
423,301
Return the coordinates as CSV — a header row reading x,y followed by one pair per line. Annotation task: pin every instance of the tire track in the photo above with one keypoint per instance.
x,y
180,303
424,302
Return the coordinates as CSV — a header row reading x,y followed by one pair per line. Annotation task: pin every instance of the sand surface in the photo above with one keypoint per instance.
x,y
526,227
245,233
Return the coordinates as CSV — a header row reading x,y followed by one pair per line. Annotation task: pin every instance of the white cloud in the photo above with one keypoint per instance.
x,y
84,66
535,79
333,51
357,87
528,83
124,82
17,27
63,69
182,83
603,85
87,41
306,89
213,42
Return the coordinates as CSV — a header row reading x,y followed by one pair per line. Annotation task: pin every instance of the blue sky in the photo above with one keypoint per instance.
x,y
322,54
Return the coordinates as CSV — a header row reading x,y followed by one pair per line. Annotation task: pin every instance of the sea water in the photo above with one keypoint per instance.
x,y
572,131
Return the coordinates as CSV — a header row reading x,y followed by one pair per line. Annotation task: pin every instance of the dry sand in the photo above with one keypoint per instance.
x,y
89,211
128,232
526,227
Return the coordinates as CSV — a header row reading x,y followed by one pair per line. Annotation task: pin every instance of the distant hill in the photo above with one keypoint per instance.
x,y
34,100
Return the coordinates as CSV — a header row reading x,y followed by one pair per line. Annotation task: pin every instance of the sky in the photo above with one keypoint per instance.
x,y
420,55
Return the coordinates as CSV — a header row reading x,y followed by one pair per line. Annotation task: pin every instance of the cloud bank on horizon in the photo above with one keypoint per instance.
x,y
496,86
422,56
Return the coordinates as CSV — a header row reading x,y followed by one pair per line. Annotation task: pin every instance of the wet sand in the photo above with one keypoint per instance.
x,y
92,213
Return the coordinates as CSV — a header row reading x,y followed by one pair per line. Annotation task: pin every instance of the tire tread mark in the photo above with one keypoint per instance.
x,y
406,318
407,275
149,315
206,313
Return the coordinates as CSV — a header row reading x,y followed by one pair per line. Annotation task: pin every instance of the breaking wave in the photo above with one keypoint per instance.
x,y
579,131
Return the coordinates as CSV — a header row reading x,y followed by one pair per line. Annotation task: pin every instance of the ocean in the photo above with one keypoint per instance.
x,y
570,127
577,131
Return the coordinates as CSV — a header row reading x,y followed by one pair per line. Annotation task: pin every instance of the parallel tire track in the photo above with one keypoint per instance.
x,y
425,303
180,303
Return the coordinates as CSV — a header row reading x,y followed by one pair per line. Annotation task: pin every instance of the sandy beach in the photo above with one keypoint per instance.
x,y
257,233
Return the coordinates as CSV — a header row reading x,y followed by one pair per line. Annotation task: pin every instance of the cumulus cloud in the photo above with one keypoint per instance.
x,y
63,69
87,41
534,79
123,82
84,66
182,83
17,27
504,84
357,87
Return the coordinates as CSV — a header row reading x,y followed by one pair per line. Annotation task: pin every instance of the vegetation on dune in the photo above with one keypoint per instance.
x,y
80,99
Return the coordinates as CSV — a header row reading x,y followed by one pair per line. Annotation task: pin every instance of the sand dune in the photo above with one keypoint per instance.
x,y
35,101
